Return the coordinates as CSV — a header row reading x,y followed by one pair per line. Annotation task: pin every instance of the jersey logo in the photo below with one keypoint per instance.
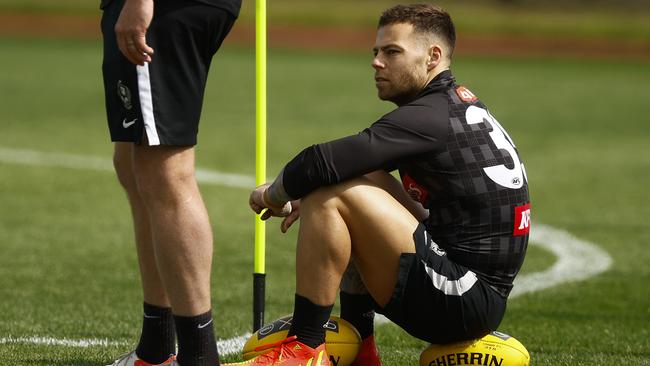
x,y
465,95
416,191
522,220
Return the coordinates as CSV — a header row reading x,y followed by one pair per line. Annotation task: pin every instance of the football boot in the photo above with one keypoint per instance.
x,y
131,359
368,354
289,352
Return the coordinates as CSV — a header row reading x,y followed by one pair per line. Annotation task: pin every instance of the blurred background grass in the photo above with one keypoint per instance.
x,y
68,268
626,20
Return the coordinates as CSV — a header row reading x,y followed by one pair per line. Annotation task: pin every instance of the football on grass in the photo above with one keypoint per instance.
x,y
495,349
342,340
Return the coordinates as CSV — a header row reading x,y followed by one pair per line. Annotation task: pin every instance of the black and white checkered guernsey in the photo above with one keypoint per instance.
x,y
456,159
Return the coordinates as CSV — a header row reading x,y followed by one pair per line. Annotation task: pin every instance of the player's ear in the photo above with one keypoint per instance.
x,y
434,56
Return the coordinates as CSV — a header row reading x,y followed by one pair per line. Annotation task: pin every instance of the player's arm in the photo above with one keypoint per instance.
x,y
259,200
382,145
276,203
380,177
395,137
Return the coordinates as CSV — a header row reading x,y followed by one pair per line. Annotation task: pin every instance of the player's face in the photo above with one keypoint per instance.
x,y
400,63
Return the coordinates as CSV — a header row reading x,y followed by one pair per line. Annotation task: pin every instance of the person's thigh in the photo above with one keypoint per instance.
x,y
162,100
185,35
380,229
163,168
411,278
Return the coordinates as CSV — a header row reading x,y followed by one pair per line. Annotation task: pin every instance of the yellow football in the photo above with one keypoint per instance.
x,y
342,340
495,349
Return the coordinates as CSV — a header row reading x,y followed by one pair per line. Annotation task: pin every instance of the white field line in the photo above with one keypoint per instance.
x,y
73,161
576,259
49,341
229,346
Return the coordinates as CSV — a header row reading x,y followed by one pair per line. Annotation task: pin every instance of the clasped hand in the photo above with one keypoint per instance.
x,y
258,202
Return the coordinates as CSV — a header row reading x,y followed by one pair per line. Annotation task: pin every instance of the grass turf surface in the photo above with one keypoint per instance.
x,y
68,267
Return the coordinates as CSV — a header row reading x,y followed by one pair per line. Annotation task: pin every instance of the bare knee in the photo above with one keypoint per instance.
x,y
332,197
163,178
319,200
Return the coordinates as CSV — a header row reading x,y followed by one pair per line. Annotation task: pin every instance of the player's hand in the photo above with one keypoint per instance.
x,y
292,217
258,203
131,29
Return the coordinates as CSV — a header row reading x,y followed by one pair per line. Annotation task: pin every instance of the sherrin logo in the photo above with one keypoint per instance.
x,y
494,349
473,358
522,220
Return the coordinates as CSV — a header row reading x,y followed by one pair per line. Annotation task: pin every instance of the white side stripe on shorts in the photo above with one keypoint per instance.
x,y
453,288
146,104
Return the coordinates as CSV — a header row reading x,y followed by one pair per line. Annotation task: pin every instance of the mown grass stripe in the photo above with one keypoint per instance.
x,y
229,346
73,161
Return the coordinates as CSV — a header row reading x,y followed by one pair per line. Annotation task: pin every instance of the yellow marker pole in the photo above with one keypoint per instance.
x,y
259,280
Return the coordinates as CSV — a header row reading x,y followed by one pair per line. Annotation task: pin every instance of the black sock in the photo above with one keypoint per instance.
x,y
157,341
359,311
308,321
196,343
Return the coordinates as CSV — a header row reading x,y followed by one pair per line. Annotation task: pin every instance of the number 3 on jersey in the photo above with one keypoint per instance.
x,y
500,174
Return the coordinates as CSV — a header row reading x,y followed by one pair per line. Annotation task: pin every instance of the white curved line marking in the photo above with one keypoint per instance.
x,y
576,259
73,161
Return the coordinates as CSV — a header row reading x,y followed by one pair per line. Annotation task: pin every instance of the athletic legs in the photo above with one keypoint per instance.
x,y
181,232
174,241
356,222
152,288
357,219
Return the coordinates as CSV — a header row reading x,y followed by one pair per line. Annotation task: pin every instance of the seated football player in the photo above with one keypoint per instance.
x,y
435,253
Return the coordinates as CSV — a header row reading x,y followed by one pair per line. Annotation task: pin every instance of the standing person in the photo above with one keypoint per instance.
x,y
438,251
157,54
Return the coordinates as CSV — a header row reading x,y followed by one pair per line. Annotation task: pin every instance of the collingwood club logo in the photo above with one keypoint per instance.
x,y
125,94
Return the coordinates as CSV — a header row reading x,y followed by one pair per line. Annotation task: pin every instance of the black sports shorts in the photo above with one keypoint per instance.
x,y
163,98
439,301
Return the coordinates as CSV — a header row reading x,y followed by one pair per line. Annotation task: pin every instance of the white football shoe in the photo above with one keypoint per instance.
x,y
131,359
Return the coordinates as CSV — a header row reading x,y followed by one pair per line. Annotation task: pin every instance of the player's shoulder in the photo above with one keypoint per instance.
x,y
416,117
425,108
462,97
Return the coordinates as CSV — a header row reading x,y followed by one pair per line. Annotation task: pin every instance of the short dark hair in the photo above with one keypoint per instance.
x,y
425,18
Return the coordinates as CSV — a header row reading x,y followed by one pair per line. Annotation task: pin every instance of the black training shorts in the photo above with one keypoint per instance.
x,y
163,98
439,301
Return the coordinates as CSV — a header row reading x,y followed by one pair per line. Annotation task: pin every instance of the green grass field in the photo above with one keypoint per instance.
x,y
67,259
624,21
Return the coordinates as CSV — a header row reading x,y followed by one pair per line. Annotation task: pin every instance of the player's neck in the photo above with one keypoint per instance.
x,y
435,72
